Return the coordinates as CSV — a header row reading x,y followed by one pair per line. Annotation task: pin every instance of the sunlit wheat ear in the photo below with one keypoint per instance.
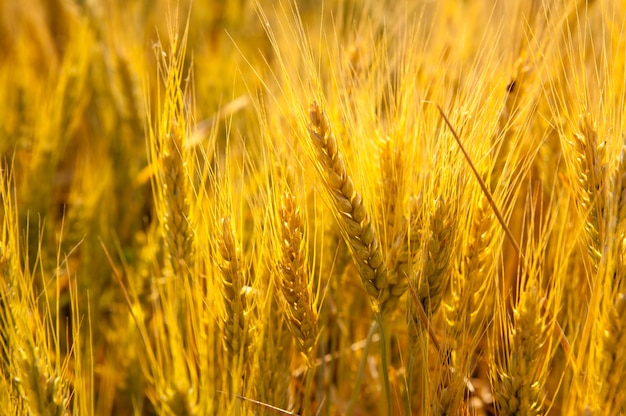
x,y
439,245
177,231
294,282
403,254
45,393
168,150
351,213
465,313
591,168
612,360
519,375
236,337
432,274
617,198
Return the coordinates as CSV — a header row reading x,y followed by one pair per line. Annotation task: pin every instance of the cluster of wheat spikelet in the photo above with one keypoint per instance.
x,y
355,208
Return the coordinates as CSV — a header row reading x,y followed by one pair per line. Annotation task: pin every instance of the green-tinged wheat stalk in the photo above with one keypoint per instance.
x,y
351,212
293,281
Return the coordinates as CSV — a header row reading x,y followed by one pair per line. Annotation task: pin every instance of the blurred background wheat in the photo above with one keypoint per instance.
x,y
312,208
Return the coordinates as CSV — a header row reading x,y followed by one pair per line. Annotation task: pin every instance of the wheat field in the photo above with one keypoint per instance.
x,y
312,208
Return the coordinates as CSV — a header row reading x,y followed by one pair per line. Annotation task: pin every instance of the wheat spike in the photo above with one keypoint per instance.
x,y
619,191
46,393
403,253
612,394
351,212
592,193
294,282
616,224
519,376
168,152
236,337
437,256
465,312
178,236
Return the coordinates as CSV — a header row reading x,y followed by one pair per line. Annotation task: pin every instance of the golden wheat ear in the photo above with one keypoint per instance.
x,y
294,279
351,213
236,337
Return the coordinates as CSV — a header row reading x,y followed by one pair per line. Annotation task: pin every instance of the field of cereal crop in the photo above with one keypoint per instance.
x,y
292,207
